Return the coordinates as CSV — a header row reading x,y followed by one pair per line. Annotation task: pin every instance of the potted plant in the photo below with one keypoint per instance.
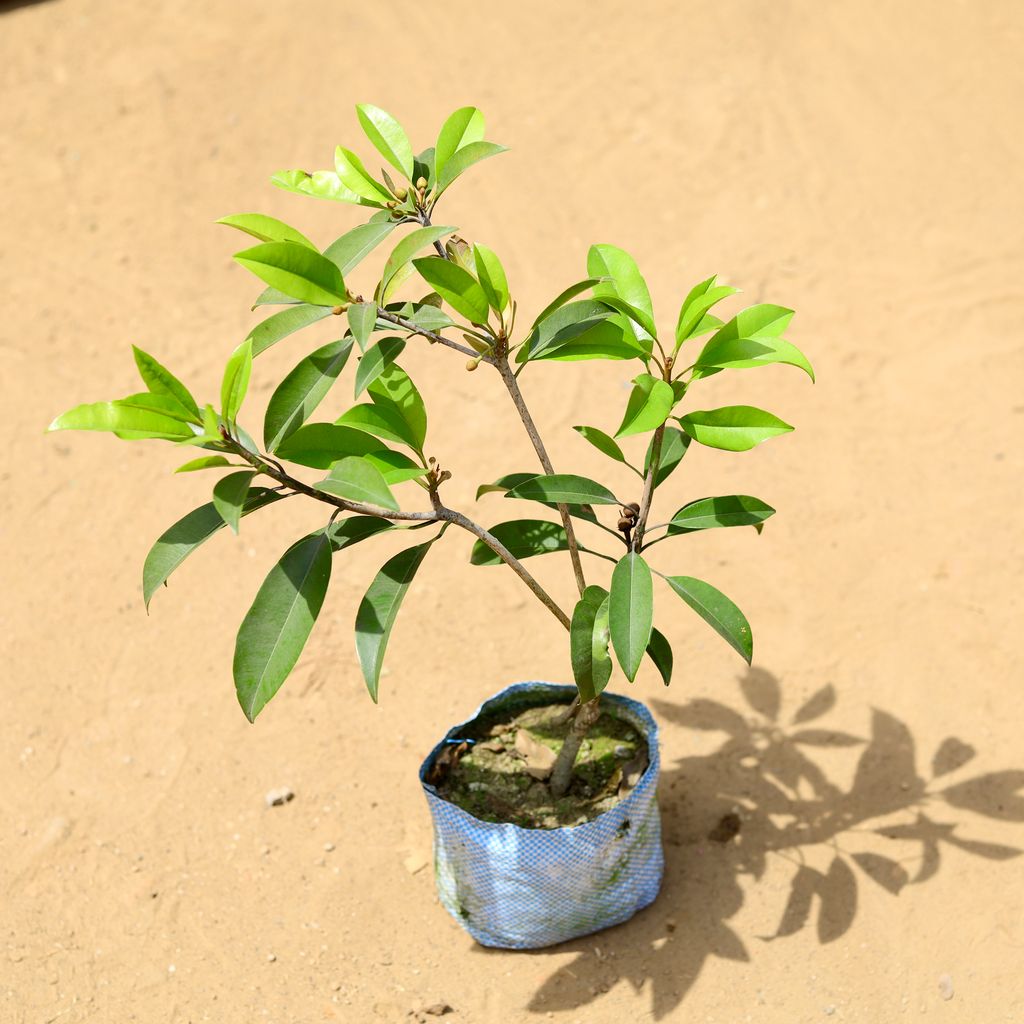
x,y
546,821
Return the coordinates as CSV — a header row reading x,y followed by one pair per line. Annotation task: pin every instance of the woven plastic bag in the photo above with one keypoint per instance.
x,y
521,888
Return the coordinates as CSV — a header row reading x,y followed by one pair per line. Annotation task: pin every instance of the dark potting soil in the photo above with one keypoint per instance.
x,y
501,777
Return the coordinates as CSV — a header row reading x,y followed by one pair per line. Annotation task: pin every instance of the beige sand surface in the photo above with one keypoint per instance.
x,y
861,162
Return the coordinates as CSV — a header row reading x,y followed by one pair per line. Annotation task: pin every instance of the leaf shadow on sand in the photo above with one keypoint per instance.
x,y
763,794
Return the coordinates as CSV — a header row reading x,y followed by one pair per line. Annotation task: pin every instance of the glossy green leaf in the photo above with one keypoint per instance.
x,y
344,533
206,462
380,421
659,650
673,447
175,544
287,321
136,417
266,229
357,479
643,326
625,282
423,166
726,510
388,136
563,297
491,275
230,494
375,361
504,484
700,299
362,319
297,271
603,443
463,159
276,627
608,338
160,381
295,398
425,316
354,176
631,612
588,643
523,538
463,127
318,445
395,467
563,489
320,185
236,381
717,611
649,405
763,320
393,392
379,609
456,286
733,428
742,353
411,244
272,297
348,251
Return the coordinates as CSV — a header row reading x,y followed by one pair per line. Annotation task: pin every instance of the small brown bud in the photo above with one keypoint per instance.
x,y
400,194
338,310
391,204
625,524
472,364
634,508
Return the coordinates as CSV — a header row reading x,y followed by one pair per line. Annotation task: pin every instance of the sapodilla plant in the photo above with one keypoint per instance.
x,y
378,446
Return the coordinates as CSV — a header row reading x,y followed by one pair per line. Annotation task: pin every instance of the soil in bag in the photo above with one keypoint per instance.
x,y
497,768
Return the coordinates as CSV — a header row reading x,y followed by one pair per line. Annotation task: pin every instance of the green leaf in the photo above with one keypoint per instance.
x,y
295,398
741,353
395,467
376,360
563,297
276,627
603,443
137,416
379,609
456,286
236,381
348,251
673,447
206,462
354,176
504,484
266,229
352,529
701,298
607,338
358,480
320,185
287,321
463,159
626,282
631,612
563,489
588,643
423,166
492,277
659,650
388,136
523,538
230,494
717,611
318,445
160,381
763,320
175,544
411,244
462,128
649,404
362,319
727,510
394,394
733,428
642,325
379,421
297,271
423,314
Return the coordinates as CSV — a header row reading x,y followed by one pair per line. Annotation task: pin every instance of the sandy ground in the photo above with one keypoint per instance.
x,y
861,162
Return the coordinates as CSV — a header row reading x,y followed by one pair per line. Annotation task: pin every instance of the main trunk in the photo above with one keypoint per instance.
x,y
582,723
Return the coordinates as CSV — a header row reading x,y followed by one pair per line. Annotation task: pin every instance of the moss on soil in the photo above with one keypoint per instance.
x,y
491,782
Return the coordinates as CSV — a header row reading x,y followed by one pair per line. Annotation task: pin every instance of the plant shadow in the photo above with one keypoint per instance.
x,y
763,793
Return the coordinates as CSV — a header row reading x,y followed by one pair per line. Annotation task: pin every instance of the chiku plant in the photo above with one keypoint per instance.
x,y
379,444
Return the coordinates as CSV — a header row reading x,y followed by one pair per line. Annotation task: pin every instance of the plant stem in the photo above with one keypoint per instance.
x,y
582,723
393,318
439,514
645,501
509,379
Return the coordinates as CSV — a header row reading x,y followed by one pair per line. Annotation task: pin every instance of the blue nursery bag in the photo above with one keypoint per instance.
x,y
523,888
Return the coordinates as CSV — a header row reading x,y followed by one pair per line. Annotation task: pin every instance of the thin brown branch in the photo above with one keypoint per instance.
x,y
645,501
512,385
393,318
